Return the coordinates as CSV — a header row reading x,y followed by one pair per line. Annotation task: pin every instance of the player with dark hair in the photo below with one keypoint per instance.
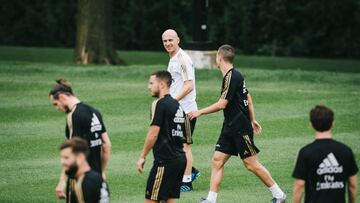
x,y
165,138
236,136
85,122
84,185
183,89
324,167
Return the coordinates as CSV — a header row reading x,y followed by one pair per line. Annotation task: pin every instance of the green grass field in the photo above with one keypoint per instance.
x,y
283,90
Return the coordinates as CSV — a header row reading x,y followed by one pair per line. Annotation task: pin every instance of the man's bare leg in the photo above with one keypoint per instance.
x,y
189,163
217,173
252,164
171,201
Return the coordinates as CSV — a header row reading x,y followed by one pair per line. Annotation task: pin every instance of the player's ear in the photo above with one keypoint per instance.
x,y
161,84
62,97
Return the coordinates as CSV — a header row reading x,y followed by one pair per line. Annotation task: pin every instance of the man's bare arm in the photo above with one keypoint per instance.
x,y
188,87
105,152
218,106
148,145
255,125
298,190
352,188
61,185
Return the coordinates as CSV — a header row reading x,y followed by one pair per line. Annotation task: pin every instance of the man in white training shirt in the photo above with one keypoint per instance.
x,y
183,90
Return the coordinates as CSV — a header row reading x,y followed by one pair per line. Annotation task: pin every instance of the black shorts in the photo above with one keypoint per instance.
x,y
189,129
165,180
237,144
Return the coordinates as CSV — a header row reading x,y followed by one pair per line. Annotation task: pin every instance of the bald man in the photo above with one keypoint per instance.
x,y
183,90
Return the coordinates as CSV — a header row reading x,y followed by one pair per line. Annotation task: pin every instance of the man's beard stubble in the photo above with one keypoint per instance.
x,y
71,172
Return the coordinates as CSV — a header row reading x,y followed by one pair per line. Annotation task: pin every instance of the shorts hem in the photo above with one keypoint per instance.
x,y
226,152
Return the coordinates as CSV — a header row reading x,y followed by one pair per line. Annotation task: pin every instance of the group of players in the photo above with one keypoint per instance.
x,y
324,168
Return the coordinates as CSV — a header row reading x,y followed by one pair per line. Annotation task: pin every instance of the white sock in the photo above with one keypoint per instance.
x,y
186,179
276,191
212,196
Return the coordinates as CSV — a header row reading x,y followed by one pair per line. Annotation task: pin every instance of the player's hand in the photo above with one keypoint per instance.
x,y
256,127
194,114
140,164
60,190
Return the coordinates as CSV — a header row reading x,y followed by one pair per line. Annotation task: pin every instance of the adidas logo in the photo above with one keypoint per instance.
x,y
95,120
95,124
329,165
246,152
179,116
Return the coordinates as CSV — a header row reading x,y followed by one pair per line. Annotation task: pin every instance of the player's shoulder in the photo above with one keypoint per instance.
x,y
183,57
88,108
342,146
159,102
83,110
308,149
154,104
235,74
167,100
79,110
93,176
81,107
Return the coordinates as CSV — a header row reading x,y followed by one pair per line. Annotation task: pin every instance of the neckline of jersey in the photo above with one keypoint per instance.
x,y
229,71
176,54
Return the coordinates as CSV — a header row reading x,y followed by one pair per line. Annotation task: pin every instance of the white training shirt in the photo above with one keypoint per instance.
x,y
181,69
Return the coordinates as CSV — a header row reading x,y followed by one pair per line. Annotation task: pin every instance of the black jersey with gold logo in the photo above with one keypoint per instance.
x,y
86,122
236,113
170,117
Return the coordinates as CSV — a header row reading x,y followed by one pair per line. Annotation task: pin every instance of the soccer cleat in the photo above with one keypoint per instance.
x,y
186,187
204,200
194,174
279,200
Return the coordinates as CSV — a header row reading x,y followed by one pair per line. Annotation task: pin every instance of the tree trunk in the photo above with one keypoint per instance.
x,y
94,33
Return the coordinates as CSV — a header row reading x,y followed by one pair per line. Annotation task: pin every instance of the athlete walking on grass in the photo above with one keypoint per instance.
x,y
183,90
165,139
85,122
236,136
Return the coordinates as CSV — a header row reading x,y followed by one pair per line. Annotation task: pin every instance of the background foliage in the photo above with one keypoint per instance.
x,y
317,28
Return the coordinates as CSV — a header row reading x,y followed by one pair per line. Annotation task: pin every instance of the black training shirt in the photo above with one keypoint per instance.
x,y
86,122
325,165
236,113
170,117
89,188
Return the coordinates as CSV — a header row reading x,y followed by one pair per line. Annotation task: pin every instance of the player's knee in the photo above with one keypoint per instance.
x,y
251,166
217,162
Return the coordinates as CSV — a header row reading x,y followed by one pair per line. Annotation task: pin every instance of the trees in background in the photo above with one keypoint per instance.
x,y
94,33
316,28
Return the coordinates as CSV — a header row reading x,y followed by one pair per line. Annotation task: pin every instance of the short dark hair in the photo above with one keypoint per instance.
x,y
227,52
62,86
321,118
77,145
163,75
